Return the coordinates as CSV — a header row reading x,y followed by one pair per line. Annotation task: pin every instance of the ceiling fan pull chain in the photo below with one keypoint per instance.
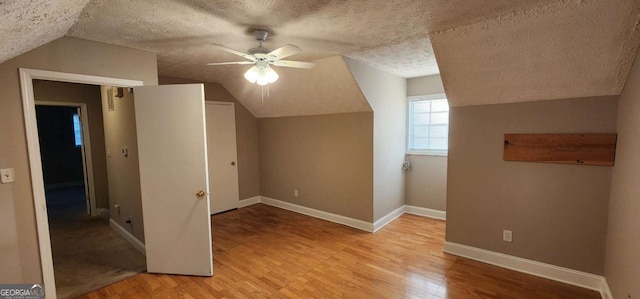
x,y
262,93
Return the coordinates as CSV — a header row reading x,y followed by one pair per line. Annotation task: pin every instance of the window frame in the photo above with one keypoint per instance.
x,y
427,152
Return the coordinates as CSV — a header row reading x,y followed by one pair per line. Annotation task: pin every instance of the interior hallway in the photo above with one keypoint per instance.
x,y
266,252
87,253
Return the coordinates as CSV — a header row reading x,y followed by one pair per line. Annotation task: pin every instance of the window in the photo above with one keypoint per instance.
x,y
428,128
77,130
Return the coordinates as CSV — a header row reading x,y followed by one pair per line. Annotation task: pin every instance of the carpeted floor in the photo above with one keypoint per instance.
x,y
87,253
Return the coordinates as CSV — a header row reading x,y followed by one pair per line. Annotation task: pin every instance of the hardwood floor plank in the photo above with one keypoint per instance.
x,y
266,252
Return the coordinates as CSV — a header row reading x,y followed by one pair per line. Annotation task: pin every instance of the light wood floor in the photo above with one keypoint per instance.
x,y
265,252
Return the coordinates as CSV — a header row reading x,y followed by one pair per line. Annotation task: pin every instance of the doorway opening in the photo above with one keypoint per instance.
x,y
46,235
87,252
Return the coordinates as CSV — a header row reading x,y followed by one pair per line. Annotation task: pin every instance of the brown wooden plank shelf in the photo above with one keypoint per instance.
x,y
581,149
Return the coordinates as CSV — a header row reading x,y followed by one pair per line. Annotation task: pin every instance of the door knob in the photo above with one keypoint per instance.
x,y
200,194
233,163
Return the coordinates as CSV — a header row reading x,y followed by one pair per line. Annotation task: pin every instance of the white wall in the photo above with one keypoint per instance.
x,y
426,182
386,93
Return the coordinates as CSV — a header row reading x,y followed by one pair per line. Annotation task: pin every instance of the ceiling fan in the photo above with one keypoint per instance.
x,y
261,57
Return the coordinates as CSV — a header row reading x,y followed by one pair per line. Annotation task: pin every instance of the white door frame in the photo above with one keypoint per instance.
x,y
35,164
87,159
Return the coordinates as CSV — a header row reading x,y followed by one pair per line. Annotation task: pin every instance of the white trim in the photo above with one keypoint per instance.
x,y
249,201
128,236
355,223
605,292
35,164
427,153
425,212
386,219
433,96
561,274
87,161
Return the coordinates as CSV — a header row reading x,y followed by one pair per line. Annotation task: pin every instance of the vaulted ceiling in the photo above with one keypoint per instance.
x,y
489,51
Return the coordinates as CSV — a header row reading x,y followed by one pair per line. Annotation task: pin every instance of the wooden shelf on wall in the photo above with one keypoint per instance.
x,y
581,149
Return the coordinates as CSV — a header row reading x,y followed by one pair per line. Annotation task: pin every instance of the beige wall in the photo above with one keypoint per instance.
x,y
426,85
328,158
246,135
386,93
123,172
622,263
426,182
19,255
558,213
52,91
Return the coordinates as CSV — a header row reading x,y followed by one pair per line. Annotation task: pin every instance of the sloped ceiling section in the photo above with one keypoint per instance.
x,y
327,88
563,49
26,25
381,33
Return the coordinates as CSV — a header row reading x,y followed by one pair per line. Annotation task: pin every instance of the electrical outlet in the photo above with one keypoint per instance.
x,y
507,236
7,175
295,192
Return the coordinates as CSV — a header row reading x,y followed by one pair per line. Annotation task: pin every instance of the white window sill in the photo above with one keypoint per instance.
x,y
426,153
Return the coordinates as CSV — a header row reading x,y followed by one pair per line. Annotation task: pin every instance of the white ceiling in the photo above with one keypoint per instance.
x,y
489,51
390,35
26,25
563,49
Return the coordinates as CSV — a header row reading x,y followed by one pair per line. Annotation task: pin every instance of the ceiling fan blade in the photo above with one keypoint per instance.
x,y
284,51
232,51
295,64
233,62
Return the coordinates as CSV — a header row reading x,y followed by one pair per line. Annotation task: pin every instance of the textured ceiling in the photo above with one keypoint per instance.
x,y
563,49
489,51
380,33
333,90
26,25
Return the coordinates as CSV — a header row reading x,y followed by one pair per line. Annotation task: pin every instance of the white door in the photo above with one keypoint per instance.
x,y
171,130
223,169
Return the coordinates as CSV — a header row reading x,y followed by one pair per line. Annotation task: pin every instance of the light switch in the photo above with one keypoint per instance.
x,y
7,175
108,153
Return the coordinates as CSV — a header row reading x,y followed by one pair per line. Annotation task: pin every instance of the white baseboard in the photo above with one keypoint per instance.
x,y
128,236
355,223
561,274
249,201
605,292
420,211
386,219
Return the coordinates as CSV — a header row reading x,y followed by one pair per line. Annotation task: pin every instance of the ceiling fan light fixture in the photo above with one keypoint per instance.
x,y
252,74
261,75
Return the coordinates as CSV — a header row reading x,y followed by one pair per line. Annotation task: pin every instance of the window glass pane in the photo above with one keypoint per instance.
x,y
421,131
421,119
77,130
421,106
439,105
420,143
439,118
438,143
428,125
441,131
